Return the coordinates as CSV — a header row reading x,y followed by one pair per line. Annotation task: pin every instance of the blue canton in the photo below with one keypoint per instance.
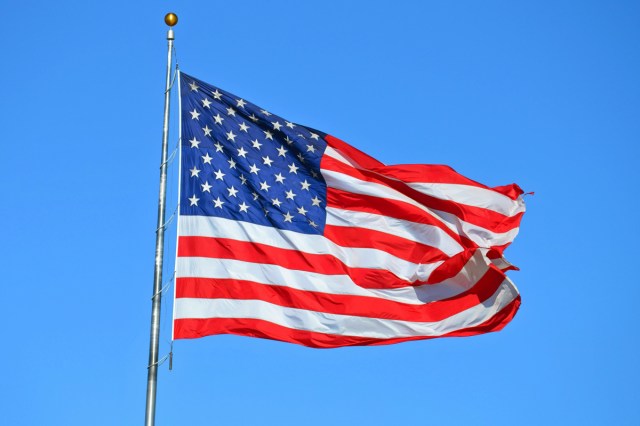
x,y
244,163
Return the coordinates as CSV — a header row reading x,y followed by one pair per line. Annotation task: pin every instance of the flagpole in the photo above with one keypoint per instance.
x,y
152,375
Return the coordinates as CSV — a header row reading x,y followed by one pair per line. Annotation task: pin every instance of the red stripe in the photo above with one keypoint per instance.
x,y
451,267
512,191
497,254
355,154
489,219
434,173
391,208
222,248
194,328
501,249
495,323
403,248
343,304
429,173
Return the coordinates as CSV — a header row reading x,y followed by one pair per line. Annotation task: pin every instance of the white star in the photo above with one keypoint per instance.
x,y
268,134
289,141
276,202
314,136
255,196
312,223
290,125
219,175
243,207
279,178
266,160
300,157
288,217
301,135
240,103
206,187
194,114
314,174
244,127
217,95
302,211
218,118
231,111
264,186
206,102
194,142
243,179
290,195
253,118
230,136
206,158
282,152
267,113
232,164
218,203
206,130
305,185
315,201
194,200
254,169
218,147
232,192
276,125
194,87
194,172
293,168
242,152
311,148
256,144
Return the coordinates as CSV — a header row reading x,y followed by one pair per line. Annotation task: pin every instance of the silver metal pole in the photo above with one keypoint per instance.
x,y
152,376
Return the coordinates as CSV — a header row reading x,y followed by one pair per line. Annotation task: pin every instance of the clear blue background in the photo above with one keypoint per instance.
x,y
546,94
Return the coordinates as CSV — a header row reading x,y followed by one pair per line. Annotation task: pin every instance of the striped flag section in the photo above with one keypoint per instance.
x,y
406,252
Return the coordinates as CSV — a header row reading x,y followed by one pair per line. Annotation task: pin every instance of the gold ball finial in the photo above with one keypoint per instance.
x,y
171,19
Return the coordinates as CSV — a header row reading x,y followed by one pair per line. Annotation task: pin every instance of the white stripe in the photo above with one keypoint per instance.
x,y
472,196
341,157
344,325
464,194
478,234
419,232
468,276
201,267
204,226
501,263
348,183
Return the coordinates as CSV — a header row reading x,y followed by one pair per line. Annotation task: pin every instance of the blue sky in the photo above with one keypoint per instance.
x,y
544,94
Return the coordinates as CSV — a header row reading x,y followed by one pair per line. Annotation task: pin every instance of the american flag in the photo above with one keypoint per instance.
x,y
291,234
